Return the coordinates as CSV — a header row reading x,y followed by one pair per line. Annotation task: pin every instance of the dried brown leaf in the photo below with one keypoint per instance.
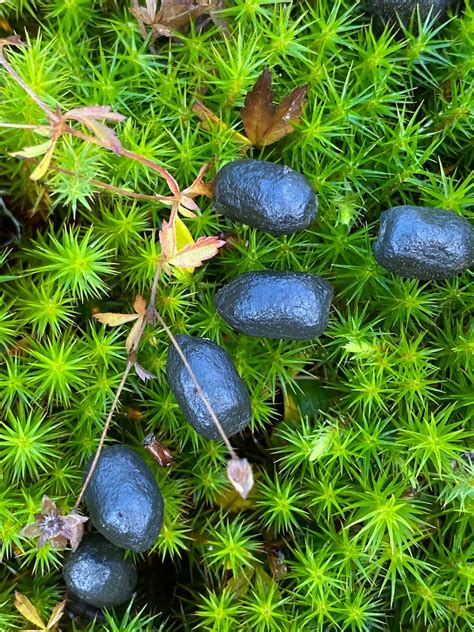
x,y
239,473
133,337
73,528
258,110
139,305
12,40
287,114
173,15
208,117
265,123
27,609
162,455
114,320
56,614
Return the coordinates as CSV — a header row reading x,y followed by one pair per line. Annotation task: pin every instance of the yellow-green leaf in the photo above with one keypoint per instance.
x,y
33,151
43,166
182,237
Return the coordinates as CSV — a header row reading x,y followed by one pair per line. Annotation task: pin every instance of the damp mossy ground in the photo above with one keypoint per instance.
x,y
361,517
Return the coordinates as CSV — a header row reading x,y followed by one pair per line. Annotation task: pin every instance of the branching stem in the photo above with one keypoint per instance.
x,y
58,123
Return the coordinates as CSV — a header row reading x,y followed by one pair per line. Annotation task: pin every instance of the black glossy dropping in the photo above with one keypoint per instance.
x,y
285,305
265,195
218,378
424,243
98,574
124,500
395,11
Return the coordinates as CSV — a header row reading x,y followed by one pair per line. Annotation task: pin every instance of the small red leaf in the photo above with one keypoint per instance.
x,y
91,117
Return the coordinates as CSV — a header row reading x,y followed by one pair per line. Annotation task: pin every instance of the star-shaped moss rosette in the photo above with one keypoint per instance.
x,y
51,526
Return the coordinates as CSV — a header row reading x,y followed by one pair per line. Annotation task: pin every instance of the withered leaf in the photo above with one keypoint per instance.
x,y
113,320
28,610
239,473
208,119
142,373
56,614
265,123
173,15
162,455
91,116
139,305
12,40
134,335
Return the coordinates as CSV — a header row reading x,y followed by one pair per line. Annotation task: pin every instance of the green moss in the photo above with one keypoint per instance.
x,y
360,517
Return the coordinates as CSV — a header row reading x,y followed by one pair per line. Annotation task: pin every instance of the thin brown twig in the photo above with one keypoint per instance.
x,y
120,388
113,189
24,85
103,435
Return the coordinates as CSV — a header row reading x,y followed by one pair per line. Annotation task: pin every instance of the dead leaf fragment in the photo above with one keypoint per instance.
x,y
173,16
239,473
12,40
134,336
56,614
142,373
265,123
162,455
167,240
140,305
114,320
27,609
31,614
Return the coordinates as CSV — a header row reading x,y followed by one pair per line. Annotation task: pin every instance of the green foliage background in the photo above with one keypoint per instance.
x,y
367,497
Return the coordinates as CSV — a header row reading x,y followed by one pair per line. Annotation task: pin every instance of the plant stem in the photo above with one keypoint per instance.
x,y
24,85
103,435
120,388
152,313
118,190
